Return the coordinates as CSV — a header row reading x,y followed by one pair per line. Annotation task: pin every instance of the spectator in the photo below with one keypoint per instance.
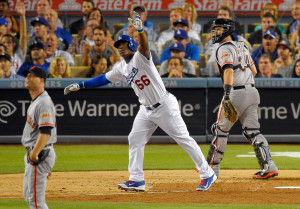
x,y
269,46
190,14
98,67
77,26
296,70
13,50
175,67
17,49
192,51
155,58
193,36
284,64
3,48
178,50
267,21
12,26
64,36
6,68
272,9
38,56
40,25
59,68
42,8
3,26
166,35
96,14
101,47
76,46
265,66
4,8
4,11
296,18
151,34
229,5
53,51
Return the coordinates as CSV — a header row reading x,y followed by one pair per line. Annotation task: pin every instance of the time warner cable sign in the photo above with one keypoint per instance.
x,y
96,111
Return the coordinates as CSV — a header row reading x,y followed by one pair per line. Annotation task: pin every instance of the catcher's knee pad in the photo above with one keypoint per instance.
x,y
261,147
217,147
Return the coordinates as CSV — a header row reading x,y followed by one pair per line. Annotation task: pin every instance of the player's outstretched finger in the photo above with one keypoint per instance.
x,y
66,90
130,20
137,16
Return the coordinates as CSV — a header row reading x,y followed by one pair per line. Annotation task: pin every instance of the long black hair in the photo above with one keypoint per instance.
x,y
294,70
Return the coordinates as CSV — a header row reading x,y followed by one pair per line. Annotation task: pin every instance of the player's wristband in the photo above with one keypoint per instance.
x,y
227,89
140,31
81,84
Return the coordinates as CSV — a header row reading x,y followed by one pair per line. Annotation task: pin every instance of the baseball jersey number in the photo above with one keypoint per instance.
x,y
143,82
244,59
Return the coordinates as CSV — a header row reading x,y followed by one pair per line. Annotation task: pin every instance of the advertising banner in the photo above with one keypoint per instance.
x,y
109,111
159,5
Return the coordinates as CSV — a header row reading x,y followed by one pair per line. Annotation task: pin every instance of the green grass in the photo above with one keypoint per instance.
x,y
19,204
115,157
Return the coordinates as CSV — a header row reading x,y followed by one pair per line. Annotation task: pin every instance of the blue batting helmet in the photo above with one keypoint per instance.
x,y
132,44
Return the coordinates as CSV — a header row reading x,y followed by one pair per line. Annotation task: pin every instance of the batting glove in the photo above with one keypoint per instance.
x,y
72,87
137,22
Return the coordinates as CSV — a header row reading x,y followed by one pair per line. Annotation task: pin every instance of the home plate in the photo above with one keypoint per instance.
x,y
288,187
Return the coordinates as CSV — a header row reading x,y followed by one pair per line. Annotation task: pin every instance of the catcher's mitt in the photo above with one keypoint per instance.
x,y
229,111
42,156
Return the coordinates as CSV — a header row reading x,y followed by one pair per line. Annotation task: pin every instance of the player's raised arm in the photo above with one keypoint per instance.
x,y
100,80
143,40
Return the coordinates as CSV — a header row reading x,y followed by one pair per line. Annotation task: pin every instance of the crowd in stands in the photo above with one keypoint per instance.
x,y
182,48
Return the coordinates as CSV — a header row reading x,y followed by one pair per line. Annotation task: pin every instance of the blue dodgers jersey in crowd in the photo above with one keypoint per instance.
x,y
257,53
192,53
28,65
64,36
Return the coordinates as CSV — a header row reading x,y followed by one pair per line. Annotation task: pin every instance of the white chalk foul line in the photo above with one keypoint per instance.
x,y
288,187
118,193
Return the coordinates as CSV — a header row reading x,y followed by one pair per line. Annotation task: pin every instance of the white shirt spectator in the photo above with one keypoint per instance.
x,y
64,54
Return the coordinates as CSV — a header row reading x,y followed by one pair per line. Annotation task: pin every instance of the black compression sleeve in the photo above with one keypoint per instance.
x,y
45,130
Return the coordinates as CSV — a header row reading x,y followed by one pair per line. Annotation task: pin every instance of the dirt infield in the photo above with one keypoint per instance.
x,y
163,186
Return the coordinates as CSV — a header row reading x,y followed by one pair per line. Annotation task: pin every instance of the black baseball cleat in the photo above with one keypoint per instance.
x,y
262,175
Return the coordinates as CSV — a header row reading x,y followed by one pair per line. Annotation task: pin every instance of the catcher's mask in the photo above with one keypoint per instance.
x,y
125,38
226,24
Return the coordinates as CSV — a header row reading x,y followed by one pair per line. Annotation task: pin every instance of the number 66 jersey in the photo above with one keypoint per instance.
x,y
236,55
141,74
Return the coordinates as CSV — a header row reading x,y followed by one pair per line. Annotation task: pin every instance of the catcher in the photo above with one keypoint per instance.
x,y
240,100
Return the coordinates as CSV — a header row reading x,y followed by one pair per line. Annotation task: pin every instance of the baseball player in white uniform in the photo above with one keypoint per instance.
x,y
39,135
158,108
237,71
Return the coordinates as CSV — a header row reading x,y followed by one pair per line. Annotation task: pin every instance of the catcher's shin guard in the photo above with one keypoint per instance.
x,y
217,148
261,148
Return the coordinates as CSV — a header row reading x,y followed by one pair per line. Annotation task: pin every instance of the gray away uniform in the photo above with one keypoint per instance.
x,y
41,113
245,98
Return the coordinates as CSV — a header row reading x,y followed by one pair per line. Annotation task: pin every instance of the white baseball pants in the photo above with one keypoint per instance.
x,y
167,116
